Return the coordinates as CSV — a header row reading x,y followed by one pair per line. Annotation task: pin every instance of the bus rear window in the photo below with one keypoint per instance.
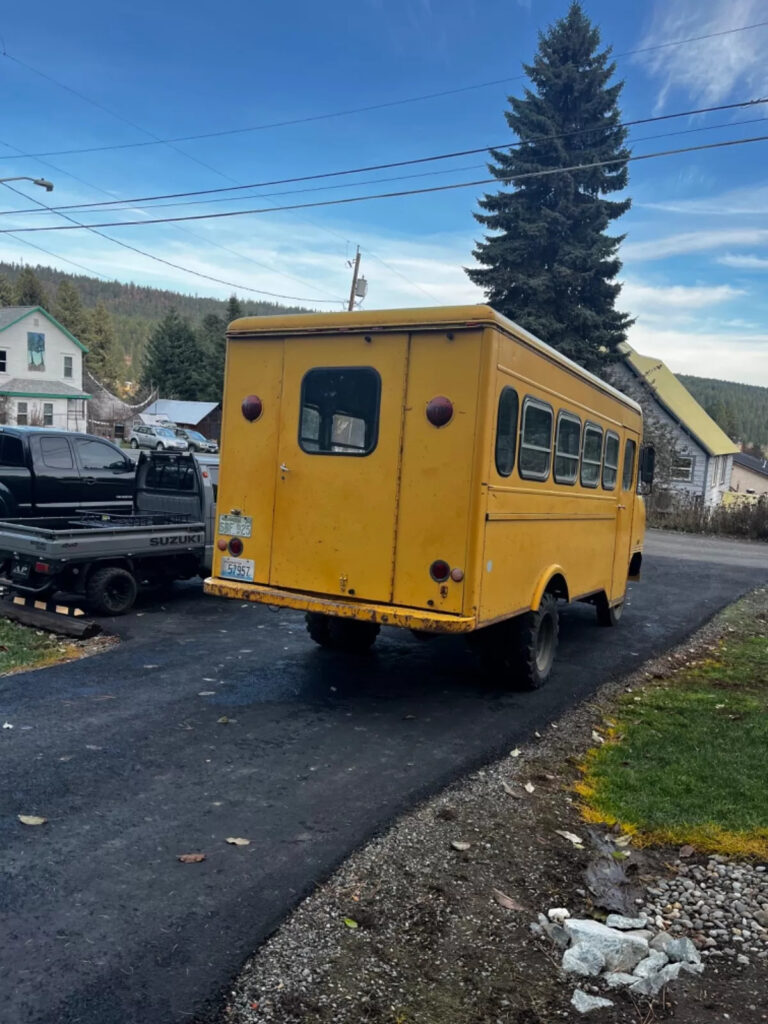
x,y
340,411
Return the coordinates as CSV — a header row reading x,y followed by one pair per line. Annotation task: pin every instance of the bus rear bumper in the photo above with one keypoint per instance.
x,y
365,611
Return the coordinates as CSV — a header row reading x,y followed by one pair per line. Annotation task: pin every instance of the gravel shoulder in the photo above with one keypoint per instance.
x,y
431,922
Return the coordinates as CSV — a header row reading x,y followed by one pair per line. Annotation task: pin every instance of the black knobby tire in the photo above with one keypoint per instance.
x,y
111,590
134,443
607,615
348,635
520,652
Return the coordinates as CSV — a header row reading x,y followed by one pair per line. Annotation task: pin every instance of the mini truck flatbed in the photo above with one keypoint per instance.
x,y
167,536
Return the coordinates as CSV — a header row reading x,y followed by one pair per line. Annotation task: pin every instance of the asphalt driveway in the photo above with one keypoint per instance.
x,y
128,758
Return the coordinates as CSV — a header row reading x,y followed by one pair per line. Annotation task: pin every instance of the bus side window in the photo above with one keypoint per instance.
x,y
567,448
535,440
611,461
506,431
591,455
628,475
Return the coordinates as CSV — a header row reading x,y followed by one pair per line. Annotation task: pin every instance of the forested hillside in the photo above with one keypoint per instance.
x,y
740,409
136,310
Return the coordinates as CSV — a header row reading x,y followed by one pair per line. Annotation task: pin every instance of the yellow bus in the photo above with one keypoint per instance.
x,y
440,470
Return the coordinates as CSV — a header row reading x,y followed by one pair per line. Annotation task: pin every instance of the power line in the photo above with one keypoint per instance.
x,y
56,256
155,140
387,195
404,163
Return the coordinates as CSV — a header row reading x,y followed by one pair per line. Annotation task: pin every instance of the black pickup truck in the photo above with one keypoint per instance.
x,y
45,472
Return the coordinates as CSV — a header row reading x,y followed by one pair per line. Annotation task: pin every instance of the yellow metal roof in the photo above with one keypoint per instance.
x,y
679,402
439,317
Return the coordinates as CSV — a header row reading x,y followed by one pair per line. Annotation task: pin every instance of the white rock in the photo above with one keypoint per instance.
x,y
617,979
584,1003
583,960
682,950
661,941
651,964
558,914
626,924
620,951
653,984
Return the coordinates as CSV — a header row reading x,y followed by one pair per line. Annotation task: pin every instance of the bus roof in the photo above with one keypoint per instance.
x,y
425,317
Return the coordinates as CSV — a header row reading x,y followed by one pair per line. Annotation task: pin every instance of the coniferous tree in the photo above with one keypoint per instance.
x,y
548,262
174,361
29,290
213,341
234,309
103,358
69,310
7,296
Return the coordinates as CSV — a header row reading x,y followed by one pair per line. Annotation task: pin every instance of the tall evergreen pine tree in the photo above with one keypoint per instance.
x,y
213,340
174,361
29,289
69,310
234,309
548,263
103,358
7,295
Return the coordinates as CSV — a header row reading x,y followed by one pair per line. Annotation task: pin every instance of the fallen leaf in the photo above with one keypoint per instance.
x,y
597,737
31,819
537,734
7,725
223,720
509,789
620,854
570,836
686,851
515,753
191,858
623,840
506,901
207,693
460,845
350,922
529,787
238,841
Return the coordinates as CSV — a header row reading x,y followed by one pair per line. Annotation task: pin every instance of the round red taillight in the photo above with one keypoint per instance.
x,y
439,571
235,546
252,408
440,411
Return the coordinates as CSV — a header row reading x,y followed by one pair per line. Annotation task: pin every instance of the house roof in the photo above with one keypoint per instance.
x,y
26,387
679,402
751,463
10,315
181,412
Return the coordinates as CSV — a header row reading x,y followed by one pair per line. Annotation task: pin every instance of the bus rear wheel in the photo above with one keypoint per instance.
x,y
341,634
608,615
521,651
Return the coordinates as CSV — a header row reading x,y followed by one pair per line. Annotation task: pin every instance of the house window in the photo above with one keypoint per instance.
x,y
3,360
47,414
67,366
723,464
682,468
35,350
22,414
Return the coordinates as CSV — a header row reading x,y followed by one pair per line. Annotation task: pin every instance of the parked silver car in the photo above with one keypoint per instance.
x,y
197,442
145,435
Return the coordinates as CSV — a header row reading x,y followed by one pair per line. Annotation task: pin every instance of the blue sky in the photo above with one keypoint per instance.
x,y
696,253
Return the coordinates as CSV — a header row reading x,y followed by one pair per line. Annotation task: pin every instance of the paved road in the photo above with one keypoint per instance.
x,y
124,754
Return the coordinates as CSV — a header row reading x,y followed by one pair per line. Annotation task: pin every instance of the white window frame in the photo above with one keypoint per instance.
x,y
71,364
723,466
47,414
526,474
573,418
680,476
22,412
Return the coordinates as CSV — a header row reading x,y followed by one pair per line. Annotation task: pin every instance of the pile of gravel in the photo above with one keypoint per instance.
x,y
722,906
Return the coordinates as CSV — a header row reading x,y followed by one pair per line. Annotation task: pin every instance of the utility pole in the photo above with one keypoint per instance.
x,y
353,289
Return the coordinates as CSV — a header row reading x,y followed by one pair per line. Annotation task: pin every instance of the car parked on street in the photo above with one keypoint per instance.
x,y
161,438
197,442
47,472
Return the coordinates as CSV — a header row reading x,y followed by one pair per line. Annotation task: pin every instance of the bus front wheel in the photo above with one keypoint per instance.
x,y
341,634
521,651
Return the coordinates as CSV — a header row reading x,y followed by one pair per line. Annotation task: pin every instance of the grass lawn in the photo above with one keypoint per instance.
x,y
23,647
687,759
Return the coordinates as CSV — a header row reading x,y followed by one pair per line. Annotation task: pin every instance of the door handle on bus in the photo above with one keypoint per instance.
x,y
284,468
621,506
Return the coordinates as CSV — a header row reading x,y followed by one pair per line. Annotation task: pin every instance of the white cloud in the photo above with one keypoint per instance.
x,y
744,262
647,299
747,202
709,70
727,356
692,241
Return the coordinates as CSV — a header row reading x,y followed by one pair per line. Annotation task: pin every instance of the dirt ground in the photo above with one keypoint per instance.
x,y
410,930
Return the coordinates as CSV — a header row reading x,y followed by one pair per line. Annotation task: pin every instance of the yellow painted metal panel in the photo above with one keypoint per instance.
x,y
334,524
248,462
436,475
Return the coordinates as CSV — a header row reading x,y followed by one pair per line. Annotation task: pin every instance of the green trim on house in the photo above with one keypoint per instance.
x,y
26,394
49,317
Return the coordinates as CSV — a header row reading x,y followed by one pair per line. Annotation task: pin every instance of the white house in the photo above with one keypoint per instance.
x,y
41,371
703,453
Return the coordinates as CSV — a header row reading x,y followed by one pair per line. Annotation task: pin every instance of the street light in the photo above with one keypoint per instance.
x,y
42,182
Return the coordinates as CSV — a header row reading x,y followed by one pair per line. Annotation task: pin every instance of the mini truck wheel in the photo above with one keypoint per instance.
x,y
341,634
111,590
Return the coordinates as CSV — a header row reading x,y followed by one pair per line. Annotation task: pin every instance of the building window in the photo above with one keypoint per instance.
x,y
611,461
47,414
567,448
535,440
629,466
682,468
340,411
22,414
506,431
3,360
35,350
591,455
67,366
723,464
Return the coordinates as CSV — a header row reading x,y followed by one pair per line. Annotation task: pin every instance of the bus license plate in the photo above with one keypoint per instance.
x,y
237,569
235,526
